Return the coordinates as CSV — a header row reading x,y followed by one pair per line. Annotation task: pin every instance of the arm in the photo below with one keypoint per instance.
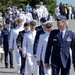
x,y
31,17
18,41
11,41
24,45
36,43
48,50
39,49
73,50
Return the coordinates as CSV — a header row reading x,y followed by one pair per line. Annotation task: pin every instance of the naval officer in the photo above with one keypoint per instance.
x,y
42,45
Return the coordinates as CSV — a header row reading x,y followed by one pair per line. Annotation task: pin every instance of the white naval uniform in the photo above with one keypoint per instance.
x,y
24,18
70,12
39,12
12,44
27,47
42,48
45,11
29,15
57,11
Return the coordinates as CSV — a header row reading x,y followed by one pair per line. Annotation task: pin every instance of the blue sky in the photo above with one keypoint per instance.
x,y
67,1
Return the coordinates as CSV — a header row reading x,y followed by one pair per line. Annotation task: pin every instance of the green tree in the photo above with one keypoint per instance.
x,y
50,4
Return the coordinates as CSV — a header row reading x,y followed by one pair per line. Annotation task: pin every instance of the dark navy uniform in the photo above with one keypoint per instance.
x,y
6,37
59,49
60,52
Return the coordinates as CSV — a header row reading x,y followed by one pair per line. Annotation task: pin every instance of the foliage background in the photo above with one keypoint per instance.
x,y
50,4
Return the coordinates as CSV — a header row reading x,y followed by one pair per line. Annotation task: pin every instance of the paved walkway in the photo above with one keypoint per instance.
x,y
7,71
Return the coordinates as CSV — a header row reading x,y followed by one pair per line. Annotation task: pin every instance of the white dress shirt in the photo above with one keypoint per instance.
x,y
42,46
28,42
64,31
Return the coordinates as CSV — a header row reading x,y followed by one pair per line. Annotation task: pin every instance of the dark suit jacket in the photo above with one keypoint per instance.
x,y
20,38
13,23
38,33
6,37
61,49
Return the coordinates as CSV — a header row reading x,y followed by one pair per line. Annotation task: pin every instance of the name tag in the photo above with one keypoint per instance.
x,y
68,39
54,39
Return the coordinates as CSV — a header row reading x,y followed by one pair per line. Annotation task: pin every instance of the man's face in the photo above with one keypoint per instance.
x,y
27,27
10,15
32,27
61,24
49,29
8,25
19,24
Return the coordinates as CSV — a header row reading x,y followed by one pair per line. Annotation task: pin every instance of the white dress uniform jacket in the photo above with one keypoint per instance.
x,y
45,11
12,43
28,42
29,15
41,49
57,11
39,12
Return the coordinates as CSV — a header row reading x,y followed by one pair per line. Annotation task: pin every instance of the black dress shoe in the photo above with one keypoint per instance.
x,y
23,74
11,67
6,66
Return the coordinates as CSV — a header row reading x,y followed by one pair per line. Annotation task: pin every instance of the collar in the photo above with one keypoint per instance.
x,y
33,30
27,30
63,31
47,32
8,28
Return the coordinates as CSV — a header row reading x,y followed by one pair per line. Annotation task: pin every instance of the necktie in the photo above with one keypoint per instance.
x,y
62,36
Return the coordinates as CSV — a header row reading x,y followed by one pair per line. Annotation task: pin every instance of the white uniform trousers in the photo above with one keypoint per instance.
x,y
32,66
47,71
18,59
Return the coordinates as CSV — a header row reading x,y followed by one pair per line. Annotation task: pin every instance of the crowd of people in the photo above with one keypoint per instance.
x,y
65,9
30,35
13,12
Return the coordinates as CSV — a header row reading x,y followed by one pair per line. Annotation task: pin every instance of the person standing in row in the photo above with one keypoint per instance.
x,y
12,42
40,30
58,48
19,45
27,51
6,37
42,45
